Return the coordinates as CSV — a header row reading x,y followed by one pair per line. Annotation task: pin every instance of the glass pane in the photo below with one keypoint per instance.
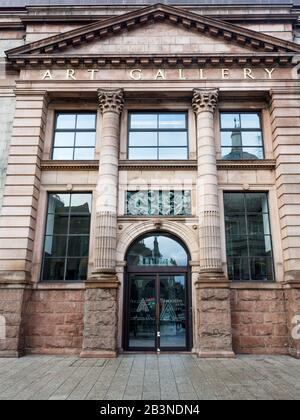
x,y
142,305
86,121
63,139
142,153
143,138
62,153
257,202
79,225
261,269
258,224
238,268
234,203
138,203
81,203
236,246
60,226
172,153
59,203
85,139
250,120
260,245
157,250
155,206
232,153
78,246
65,121
252,138
252,153
182,203
76,269
173,138
143,121
55,246
226,138
172,311
230,120
84,153
172,121
235,224
54,269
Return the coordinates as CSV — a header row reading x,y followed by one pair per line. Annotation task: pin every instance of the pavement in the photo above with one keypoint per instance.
x,y
150,377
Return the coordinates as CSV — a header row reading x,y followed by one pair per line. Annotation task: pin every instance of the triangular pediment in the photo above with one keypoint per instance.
x,y
159,31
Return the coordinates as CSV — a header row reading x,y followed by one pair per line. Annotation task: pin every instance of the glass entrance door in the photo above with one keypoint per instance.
x,y
157,312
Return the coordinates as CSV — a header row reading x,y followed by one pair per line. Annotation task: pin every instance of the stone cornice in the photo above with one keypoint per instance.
x,y
269,164
149,60
66,165
129,165
58,44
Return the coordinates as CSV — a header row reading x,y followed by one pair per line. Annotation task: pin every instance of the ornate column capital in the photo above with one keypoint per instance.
x,y
111,100
205,100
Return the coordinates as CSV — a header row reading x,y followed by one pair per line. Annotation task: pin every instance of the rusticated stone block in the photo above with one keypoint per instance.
x,y
214,322
12,304
259,323
54,322
100,322
292,297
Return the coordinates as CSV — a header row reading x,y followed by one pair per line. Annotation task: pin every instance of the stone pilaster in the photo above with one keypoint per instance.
x,y
18,219
285,123
101,295
214,333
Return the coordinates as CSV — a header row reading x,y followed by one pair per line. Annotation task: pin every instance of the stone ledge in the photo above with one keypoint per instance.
x,y
100,354
216,354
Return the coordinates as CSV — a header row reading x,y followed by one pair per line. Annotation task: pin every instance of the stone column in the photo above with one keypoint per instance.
x,y
213,294
101,295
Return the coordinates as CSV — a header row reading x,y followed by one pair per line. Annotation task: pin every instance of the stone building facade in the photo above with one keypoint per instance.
x,y
150,181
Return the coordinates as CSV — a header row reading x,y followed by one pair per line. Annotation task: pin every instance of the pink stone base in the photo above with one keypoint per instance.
x,y
99,354
216,354
11,354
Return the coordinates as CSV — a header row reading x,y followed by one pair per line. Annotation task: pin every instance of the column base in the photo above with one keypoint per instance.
x,y
99,354
214,315
216,354
100,280
11,354
101,316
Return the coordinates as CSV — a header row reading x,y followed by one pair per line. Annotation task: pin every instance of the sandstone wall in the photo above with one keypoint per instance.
x,y
259,321
54,322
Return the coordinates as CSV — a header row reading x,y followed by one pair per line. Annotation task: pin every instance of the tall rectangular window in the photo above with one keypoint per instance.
x,y
248,237
241,136
66,245
74,136
158,136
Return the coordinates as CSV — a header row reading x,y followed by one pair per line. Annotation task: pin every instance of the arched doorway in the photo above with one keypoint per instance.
x,y
157,295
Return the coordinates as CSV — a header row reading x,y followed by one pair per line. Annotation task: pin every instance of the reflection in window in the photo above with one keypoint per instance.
x,y
241,136
248,237
155,203
157,136
67,236
158,250
74,136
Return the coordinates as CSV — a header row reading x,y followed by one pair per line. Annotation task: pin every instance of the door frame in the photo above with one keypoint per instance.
x,y
156,271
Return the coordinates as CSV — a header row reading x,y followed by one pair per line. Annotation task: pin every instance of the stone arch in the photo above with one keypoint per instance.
x,y
187,234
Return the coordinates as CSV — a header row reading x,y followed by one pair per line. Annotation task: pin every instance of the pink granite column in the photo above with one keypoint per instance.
x,y
214,335
101,295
